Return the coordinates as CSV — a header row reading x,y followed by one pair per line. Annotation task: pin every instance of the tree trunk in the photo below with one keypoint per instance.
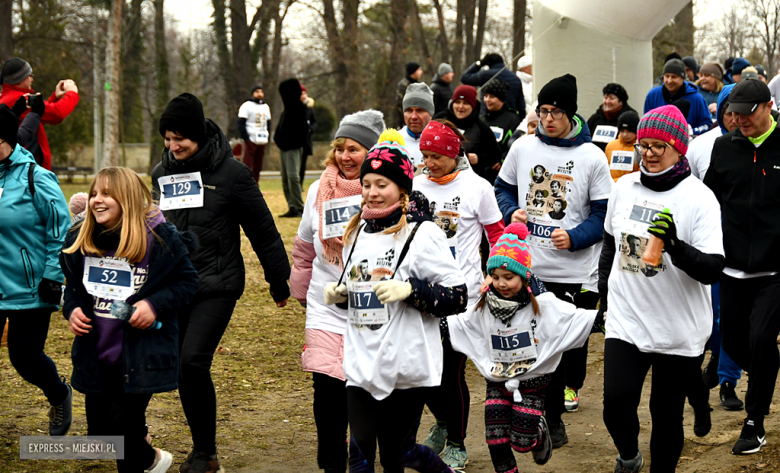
x,y
418,30
111,151
481,21
457,41
131,82
243,73
162,83
353,102
6,29
399,11
683,30
469,7
272,77
518,28
225,65
443,43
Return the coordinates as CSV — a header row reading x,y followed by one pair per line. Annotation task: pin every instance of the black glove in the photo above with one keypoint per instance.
x,y
599,325
664,228
36,104
50,291
20,106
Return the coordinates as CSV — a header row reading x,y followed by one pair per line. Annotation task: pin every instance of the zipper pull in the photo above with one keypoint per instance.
x,y
754,156
764,171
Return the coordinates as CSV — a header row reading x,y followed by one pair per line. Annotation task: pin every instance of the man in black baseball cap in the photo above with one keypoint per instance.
x,y
751,100
744,175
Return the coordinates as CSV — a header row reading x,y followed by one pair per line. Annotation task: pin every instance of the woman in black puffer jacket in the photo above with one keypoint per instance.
x,y
481,145
206,191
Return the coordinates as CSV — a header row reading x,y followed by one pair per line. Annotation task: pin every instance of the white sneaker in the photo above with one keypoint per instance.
x,y
163,462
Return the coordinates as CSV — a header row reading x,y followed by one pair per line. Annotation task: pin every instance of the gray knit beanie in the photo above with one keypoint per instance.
x,y
15,70
675,66
419,95
444,68
363,127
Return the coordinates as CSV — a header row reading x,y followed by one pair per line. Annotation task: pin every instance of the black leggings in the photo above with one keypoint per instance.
x,y
201,326
330,415
625,369
450,402
573,367
392,423
27,332
117,413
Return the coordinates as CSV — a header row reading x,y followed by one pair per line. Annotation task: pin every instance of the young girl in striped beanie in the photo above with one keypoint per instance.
x,y
515,335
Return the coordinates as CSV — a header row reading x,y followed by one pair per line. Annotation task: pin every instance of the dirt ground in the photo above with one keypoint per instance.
x,y
265,422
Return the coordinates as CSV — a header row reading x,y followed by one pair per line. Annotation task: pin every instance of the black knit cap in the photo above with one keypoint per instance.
x,y
388,158
9,125
561,92
628,121
184,115
496,88
617,90
411,66
256,87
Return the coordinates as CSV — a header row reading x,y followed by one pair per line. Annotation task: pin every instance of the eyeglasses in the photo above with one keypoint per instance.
x,y
556,114
656,150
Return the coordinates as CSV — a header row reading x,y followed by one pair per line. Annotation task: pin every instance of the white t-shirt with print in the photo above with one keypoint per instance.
x,y
319,315
406,352
559,327
555,186
257,116
660,309
700,152
462,208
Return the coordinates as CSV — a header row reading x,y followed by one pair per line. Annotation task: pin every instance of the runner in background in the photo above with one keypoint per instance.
x,y
128,273
561,169
254,123
331,203
33,221
620,152
399,279
466,208
201,188
418,110
659,313
603,124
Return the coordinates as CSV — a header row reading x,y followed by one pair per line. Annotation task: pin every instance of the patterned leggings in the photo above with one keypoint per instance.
x,y
513,426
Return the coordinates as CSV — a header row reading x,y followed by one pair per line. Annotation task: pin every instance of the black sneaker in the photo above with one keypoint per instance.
x,y
292,214
60,417
558,433
710,373
729,399
702,422
629,466
543,451
750,440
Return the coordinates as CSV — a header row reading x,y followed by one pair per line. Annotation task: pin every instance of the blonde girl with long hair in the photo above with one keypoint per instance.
x,y
331,202
127,272
399,277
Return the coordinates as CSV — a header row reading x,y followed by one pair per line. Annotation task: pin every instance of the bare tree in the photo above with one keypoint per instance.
x,y
343,49
162,82
766,21
443,43
419,32
111,154
733,33
518,28
481,21
6,29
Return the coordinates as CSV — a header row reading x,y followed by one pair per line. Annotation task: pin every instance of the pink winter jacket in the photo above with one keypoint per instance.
x,y
324,353
300,277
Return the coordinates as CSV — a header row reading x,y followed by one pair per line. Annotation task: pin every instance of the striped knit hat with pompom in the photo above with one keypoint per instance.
x,y
389,158
667,124
511,251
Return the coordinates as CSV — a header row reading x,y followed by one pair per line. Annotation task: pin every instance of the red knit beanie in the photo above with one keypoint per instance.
x,y
466,92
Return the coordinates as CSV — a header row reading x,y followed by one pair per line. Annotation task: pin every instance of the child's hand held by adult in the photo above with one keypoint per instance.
x,y
79,323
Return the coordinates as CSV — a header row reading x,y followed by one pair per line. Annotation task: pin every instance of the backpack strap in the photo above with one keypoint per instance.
x,y
31,179
406,248
354,244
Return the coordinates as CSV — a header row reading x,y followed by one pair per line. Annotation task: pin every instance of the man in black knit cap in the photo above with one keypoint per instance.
x,y
502,119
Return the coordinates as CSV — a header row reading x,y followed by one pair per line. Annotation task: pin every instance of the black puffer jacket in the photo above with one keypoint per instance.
x,y
292,131
479,140
599,118
442,93
231,201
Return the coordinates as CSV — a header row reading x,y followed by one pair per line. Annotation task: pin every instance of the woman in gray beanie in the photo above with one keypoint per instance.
x,y
331,202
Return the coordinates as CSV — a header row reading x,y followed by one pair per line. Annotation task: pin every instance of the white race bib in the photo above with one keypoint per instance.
x,y
622,161
108,278
605,134
261,137
498,132
512,344
541,230
337,213
364,305
181,191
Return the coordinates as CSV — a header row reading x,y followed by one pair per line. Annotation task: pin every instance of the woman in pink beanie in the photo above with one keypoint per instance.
x,y
659,315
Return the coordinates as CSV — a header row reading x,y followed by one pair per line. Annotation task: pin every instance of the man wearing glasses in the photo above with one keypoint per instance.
x,y
17,79
563,250
744,174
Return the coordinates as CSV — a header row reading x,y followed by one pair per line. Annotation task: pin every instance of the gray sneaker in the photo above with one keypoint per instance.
x,y
543,451
454,457
60,417
629,466
436,438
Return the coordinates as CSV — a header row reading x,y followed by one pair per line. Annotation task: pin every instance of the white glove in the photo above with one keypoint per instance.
x,y
335,293
514,385
392,291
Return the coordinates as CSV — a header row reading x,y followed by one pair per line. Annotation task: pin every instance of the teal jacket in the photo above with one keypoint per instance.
x,y
31,231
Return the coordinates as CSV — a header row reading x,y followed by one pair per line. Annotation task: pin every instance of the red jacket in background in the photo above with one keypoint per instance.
x,y
56,111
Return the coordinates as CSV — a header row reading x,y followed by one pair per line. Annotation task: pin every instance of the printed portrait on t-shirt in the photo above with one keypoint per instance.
x,y
363,274
556,189
539,173
539,201
631,249
544,189
557,213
